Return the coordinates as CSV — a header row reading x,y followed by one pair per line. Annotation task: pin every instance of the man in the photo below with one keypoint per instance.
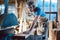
x,y
38,14
37,11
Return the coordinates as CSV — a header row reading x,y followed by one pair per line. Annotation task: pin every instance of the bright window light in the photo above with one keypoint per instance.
x,y
54,1
47,0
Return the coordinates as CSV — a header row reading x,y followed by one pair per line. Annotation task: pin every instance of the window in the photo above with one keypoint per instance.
x,y
12,9
40,3
53,16
47,16
54,5
49,7
2,7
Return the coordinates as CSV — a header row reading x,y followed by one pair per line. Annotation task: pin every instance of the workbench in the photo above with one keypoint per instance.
x,y
20,36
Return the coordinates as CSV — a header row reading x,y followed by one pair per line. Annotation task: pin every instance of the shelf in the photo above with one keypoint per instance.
x,y
56,29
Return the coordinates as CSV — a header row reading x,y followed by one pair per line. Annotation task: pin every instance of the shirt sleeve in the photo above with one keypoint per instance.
x,y
41,13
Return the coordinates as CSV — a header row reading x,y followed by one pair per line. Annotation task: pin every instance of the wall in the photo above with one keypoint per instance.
x,y
59,12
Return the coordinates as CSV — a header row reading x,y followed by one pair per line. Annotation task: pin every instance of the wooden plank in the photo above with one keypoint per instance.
x,y
58,12
10,1
58,18
52,33
50,30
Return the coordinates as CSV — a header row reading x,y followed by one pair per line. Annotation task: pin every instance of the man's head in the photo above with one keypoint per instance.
x,y
31,5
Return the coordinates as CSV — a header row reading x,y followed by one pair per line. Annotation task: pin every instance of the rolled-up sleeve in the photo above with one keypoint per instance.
x,y
41,13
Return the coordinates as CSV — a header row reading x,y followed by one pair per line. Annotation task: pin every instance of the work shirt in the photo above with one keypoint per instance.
x,y
39,12
10,20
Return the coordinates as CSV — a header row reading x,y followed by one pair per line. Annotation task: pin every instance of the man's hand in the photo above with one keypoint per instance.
x,y
43,19
35,17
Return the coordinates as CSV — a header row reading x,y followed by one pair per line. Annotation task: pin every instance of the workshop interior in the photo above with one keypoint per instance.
x,y
29,19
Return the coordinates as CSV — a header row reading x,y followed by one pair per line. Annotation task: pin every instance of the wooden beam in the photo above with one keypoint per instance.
x,y
52,34
50,30
10,1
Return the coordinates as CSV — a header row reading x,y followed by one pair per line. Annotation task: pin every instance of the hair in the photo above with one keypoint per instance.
x,y
31,3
